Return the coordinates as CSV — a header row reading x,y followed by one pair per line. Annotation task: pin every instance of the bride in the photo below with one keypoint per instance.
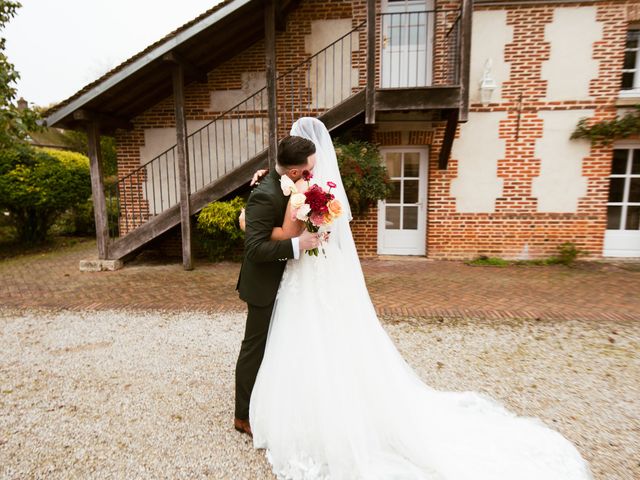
x,y
334,399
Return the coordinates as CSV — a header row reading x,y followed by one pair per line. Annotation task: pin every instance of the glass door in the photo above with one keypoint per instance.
x,y
402,216
622,237
407,43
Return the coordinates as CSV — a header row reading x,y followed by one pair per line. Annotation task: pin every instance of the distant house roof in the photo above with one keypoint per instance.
x,y
142,80
49,137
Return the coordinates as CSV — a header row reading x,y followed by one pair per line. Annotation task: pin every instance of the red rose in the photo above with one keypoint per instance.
x,y
316,198
306,175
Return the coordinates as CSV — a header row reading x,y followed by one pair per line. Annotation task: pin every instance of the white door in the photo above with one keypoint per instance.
x,y
402,217
622,237
407,41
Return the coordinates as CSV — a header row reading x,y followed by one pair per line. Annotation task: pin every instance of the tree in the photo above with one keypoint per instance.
x,y
78,142
38,185
15,123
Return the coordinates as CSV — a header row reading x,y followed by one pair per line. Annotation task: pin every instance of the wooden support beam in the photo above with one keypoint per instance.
x,y
370,107
270,59
189,69
103,119
281,19
412,99
465,56
97,190
183,165
447,141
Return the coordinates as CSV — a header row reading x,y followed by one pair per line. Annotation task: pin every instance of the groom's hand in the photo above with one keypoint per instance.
x,y
258,176
308,241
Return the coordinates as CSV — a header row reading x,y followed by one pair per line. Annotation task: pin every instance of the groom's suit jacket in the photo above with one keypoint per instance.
x,y
264,259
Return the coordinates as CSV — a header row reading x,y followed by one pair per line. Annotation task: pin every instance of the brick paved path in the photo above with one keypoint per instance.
x,y
416,287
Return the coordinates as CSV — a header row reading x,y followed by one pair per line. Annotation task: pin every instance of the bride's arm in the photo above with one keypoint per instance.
x,y
290,227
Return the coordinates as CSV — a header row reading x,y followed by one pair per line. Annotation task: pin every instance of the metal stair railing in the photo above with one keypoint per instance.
x,y
309,88
419,48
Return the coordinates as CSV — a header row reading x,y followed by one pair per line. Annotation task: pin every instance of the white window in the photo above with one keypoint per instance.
x,y
623,207
631,68
622,236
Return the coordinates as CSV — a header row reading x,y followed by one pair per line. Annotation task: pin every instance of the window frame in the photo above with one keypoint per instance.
x,y
627,176
634,91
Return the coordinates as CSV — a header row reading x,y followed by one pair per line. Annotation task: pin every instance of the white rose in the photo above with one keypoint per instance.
x,y
297,200
303,212
287,185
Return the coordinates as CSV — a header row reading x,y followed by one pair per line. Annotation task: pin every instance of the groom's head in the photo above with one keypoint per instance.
x,y
295,155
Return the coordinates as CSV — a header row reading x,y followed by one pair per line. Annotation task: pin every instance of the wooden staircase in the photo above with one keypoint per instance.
x,y
335,93
222,186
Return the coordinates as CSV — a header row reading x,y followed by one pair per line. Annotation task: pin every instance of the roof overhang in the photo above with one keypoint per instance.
x,y
145,79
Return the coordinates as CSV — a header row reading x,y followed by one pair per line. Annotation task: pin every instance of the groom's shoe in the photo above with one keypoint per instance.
x,y
243,426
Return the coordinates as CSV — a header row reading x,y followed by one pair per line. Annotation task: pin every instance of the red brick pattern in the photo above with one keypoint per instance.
x,y
450,234
388,138
516,220
416,287
365,233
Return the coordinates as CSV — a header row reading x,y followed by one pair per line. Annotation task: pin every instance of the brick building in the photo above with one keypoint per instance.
x,y
472,103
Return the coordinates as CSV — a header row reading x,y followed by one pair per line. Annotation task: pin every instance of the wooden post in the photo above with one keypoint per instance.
x,y
465,55
270,59
370,112
447,141
97,190
183,165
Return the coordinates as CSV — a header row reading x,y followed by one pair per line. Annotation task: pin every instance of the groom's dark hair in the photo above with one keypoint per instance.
x,y
293,151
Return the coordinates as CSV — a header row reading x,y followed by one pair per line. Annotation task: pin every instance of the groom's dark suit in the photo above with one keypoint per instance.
x,y
260,275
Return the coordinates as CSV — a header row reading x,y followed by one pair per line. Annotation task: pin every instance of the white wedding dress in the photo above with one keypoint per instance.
x,y
334,399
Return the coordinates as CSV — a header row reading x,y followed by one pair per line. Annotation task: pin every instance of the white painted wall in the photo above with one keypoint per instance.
x,y
252,82
570,66
477,151
331,76
560,183
489,35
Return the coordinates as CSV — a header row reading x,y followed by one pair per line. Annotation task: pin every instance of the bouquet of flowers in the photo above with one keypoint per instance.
x,y
316,207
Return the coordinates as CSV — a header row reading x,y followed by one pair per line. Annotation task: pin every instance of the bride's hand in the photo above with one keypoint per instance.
x,y
241,220
258,175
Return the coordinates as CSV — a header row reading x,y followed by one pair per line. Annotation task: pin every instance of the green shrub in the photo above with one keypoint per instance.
x,y
363,174
218,230
567,254
78,220
38,185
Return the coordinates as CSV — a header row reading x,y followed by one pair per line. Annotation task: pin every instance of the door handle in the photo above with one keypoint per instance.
x,y
384,41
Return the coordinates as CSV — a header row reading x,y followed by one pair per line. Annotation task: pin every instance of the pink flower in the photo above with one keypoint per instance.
x,y
331,185
317,218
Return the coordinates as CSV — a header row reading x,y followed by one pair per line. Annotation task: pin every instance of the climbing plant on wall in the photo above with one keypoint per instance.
x,y
605,132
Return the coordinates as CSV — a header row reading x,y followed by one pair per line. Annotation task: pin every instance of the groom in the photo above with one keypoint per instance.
x,y
264,262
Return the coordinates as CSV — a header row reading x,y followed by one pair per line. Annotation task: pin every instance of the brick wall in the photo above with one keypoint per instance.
x,y
450,234
516,221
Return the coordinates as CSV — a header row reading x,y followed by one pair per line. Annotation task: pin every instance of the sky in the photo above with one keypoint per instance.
x,y
59,46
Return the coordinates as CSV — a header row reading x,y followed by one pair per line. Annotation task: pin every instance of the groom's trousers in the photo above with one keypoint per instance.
x,y
250,357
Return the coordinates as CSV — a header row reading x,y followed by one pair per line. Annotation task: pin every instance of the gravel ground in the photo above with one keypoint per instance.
x,y
117,394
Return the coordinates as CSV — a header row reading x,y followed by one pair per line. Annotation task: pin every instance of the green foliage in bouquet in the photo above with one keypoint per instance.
x,y
363,174
219,232
38,185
